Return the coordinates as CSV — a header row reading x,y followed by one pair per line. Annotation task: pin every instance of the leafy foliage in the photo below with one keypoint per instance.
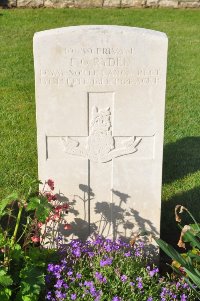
x,y
186,264
22,260
41,206
5,280
32,282
7,201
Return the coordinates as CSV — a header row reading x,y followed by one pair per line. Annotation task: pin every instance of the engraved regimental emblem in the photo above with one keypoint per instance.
x,y
100,144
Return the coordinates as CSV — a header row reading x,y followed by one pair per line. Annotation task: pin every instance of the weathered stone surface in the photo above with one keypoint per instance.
x,y
88,3
30,3
189,4
152,3
58,3
100,94
132,3
100,3
168,3
112,3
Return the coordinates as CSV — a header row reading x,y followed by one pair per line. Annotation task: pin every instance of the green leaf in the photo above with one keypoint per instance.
x,y
171,252
29,298
193,256
42,207
193,276
5,294
43,210
37,256
32,282
2,240
190,237
17,252
5,280
33,204
7,201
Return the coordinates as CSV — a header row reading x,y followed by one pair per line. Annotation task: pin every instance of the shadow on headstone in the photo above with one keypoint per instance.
x,y
181,158
119,218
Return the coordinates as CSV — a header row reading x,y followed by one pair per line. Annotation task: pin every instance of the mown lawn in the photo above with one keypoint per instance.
x,y
181,171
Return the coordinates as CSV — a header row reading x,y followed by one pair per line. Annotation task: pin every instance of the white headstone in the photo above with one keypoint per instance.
x,y
100,95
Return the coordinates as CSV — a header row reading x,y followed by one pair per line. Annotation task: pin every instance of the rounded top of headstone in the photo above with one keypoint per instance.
x,y
103,29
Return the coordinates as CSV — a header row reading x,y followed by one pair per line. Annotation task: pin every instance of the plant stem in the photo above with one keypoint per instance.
x,y
190,214
13,238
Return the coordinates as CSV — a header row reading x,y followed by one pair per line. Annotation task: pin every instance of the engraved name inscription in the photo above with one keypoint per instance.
x,y
99,67
100,145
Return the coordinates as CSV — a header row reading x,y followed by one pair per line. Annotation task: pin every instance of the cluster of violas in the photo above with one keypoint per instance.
x,y
105,270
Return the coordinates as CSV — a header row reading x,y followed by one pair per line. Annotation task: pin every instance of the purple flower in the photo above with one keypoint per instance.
x,y
150,299
59,283
153,272
185,285
77,252
98,276
73,296
127,254
65,285
48,296
124,278
78,276
132,283
108,248
107,261
140,284
60,295
183,297
93,291
91,254
116,298
178,284
88,283
69,273
50,267
98,296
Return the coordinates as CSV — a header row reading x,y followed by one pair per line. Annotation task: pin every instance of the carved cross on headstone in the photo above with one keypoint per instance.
x,y
100,147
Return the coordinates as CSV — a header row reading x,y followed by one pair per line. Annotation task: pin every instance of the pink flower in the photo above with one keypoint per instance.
x,y
59,208
35,239
40,224
67,227
55,217
50,183
50,196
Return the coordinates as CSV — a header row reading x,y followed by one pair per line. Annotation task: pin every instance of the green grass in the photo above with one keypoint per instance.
x,y
181,171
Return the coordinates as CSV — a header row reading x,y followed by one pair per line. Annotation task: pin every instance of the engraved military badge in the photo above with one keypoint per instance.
x,y
100,145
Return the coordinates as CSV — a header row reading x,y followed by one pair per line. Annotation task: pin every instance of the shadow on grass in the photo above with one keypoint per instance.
x,y
181,158
170,231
